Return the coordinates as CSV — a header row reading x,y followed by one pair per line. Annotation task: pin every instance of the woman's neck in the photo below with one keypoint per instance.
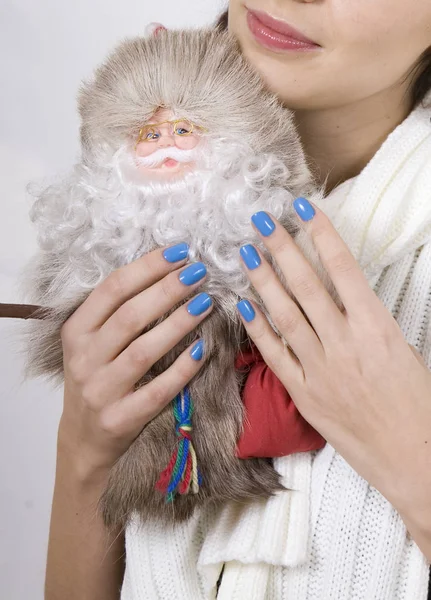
x,y
340,142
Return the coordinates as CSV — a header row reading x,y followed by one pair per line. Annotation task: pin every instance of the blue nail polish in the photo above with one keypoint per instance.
x,y
246,310
193,273
197,352
304,209
176,253
263,222
199,305
250,257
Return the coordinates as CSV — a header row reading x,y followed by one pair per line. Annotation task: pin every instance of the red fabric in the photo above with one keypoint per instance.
x,y
273,426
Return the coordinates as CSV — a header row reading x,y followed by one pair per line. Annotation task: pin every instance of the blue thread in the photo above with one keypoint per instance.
x,y
183,410
186,399
179,426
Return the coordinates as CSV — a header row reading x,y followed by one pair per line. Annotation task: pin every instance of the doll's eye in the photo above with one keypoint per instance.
x,y
152,135
183,128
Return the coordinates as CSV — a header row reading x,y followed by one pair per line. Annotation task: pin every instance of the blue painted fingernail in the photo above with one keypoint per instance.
x,y
199,305
176,253
250,257
197,352
246,310
193,273
304,209
263,222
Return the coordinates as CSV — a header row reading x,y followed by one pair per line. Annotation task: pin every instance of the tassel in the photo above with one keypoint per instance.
x,y
182,474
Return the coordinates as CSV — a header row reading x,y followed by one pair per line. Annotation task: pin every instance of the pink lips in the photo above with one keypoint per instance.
x,y
277,35
170,162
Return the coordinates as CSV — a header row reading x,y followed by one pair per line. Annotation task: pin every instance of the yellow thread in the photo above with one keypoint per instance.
x,y
195,481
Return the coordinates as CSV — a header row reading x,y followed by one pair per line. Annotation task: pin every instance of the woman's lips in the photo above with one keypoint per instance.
x,y
275,34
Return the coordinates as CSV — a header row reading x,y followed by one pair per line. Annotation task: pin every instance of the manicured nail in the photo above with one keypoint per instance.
x,y
304,209
197,352
199,305
193,273
263,222
246,310
176,253
250,257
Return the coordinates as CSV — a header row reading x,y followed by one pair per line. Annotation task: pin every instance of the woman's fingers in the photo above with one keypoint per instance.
x,y
284,312
134,411
302,280
277,356
123,284
145,308
349,281
121,375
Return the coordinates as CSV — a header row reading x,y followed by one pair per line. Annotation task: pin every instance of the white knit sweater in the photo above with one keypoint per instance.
x,y
334,537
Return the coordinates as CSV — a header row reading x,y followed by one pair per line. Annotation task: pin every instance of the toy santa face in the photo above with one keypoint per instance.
x,y
167,145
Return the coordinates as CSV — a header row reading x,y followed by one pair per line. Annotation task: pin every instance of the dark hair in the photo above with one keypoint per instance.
x,y
422,83
421,72
223,20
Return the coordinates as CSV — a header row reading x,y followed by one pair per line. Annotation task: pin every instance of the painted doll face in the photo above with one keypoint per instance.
x,y
167,145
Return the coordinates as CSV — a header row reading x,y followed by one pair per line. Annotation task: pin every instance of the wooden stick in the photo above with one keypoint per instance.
x,y
21,311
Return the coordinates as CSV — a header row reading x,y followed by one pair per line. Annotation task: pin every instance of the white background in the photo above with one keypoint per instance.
x,y
46,48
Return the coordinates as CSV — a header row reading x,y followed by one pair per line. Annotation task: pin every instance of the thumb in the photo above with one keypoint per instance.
x,y
418,356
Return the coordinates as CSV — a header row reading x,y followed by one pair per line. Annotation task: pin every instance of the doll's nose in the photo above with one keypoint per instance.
x,y
166,141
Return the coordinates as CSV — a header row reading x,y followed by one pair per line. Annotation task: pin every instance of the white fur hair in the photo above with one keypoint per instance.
x,y
101,219
155,159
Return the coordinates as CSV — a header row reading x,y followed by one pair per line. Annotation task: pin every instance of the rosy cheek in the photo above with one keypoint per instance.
x,y
145,149
188,142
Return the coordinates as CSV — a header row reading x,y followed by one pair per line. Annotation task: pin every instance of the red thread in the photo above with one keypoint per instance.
x,y
185,434
163,482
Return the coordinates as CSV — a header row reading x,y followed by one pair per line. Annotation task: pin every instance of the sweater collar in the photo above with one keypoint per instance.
x,y
386,212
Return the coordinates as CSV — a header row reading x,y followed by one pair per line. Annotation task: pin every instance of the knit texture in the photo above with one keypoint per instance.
x,y
333,537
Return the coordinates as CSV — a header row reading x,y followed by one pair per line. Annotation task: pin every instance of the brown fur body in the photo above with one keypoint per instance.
x,y
219,90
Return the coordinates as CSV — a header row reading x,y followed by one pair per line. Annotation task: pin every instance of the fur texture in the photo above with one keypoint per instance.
x,y
103,216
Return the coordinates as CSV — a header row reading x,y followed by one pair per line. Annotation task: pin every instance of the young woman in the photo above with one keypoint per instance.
x,y
357,76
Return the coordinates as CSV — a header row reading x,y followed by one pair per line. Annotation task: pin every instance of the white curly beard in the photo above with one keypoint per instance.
x,y
103,217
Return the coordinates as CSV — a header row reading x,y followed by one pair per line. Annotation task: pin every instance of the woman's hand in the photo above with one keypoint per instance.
x,y
105,355
350,373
